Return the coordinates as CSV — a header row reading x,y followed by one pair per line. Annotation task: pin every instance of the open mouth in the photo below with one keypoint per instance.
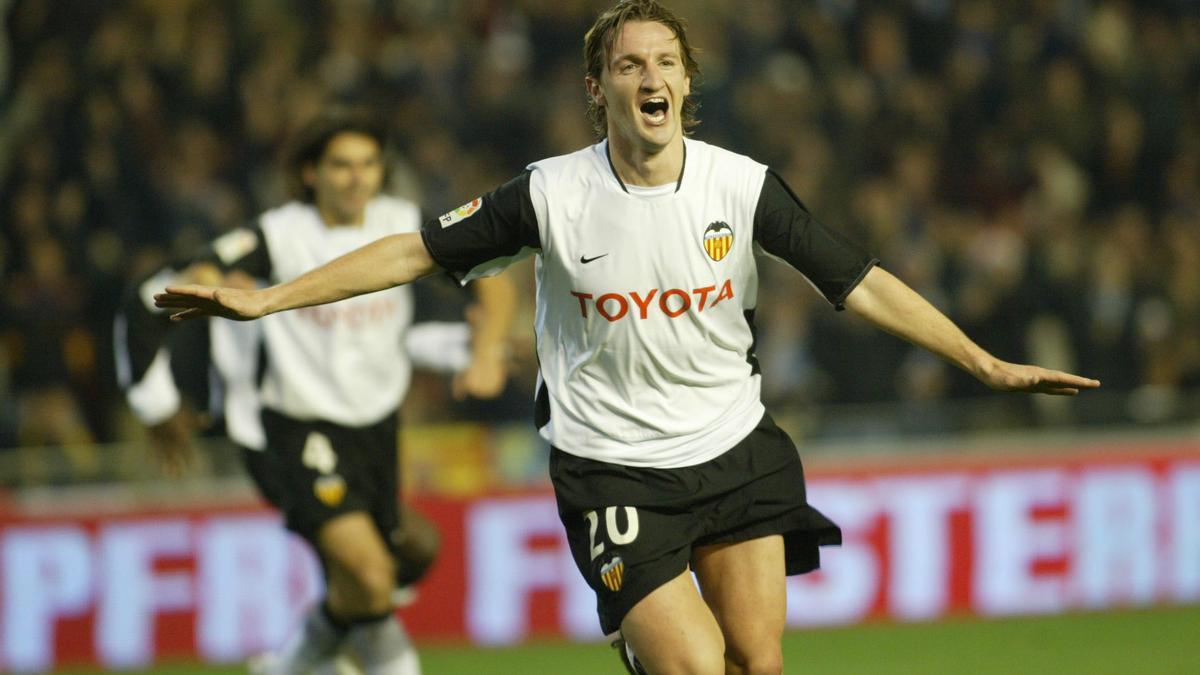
x,y
654,110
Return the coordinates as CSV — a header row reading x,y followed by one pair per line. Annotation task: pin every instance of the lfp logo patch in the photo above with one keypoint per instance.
x,y
465,211
718,239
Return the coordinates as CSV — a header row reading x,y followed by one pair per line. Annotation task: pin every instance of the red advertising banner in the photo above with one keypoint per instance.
x,y
925,538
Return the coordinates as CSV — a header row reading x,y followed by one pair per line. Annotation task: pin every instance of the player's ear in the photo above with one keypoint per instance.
x,y
595,92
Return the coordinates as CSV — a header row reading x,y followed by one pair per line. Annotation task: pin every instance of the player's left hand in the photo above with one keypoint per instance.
x,y
172,441
1004,376
484,377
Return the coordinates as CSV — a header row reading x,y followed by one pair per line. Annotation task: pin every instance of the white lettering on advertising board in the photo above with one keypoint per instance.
x,y
845,587
47,574
252,591
1009,541
918,510
1184,539
503,570
1116,554
132,592
993,541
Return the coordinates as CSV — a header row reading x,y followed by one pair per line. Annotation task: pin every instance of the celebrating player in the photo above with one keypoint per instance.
x,y
664,461
324,448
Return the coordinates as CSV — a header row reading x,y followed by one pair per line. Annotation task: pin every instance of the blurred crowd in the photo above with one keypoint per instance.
x,y
1033,167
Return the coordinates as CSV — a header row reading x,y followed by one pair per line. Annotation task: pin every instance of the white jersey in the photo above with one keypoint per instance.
x,y
344,363
645,296
438,346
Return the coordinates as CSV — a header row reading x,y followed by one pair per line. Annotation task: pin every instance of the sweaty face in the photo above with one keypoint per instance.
x,y
346,177
643,86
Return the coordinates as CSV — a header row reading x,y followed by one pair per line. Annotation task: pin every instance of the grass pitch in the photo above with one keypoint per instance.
x,y
1147,642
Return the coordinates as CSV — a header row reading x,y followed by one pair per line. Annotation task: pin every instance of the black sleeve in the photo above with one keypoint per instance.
x,y
499,226
140,333
242,250
143,330
784,228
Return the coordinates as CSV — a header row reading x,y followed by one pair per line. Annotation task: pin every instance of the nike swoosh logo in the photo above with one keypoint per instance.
x,y
585,260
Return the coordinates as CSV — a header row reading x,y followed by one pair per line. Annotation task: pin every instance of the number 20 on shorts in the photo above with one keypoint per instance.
x,y
615,535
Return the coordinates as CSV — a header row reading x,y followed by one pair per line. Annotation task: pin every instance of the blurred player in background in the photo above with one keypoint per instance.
x,y
319,428
664,461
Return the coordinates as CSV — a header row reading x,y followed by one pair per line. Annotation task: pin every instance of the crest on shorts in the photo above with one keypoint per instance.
x,y
330,489
465,211
718,239
612,574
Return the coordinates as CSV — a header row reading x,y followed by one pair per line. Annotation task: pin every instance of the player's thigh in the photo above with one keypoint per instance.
x,y
356,554
672,631
745,585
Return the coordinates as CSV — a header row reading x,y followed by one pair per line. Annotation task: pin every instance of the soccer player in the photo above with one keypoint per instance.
x,y
332,381
664,462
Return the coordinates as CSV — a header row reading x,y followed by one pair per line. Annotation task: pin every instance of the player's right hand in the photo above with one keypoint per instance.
x,y
172,442
193,302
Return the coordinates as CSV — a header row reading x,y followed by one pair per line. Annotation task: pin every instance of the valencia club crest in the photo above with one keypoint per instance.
x,y
718,239
613,574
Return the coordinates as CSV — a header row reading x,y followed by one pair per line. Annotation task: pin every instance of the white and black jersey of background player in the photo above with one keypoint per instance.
x,y
312,401
649,390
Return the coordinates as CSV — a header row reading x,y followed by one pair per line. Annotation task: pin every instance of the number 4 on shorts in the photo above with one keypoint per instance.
x,y
318,453
616,536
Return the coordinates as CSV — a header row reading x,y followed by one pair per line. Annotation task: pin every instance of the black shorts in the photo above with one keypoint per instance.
x,y
633,529
316,471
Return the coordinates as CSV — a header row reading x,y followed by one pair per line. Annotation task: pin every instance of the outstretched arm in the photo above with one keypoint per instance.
x,y
888,303
390,261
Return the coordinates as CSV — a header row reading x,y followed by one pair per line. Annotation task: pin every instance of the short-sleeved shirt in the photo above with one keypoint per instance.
x,y
646,296
344,362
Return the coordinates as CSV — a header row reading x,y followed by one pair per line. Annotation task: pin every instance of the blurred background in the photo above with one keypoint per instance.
x,y
1031,167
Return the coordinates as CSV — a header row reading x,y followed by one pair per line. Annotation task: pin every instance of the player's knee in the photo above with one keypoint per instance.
x,y
701,662
414,558
411,568
765,660
708,662
373,583
377,584
695,660
414,548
